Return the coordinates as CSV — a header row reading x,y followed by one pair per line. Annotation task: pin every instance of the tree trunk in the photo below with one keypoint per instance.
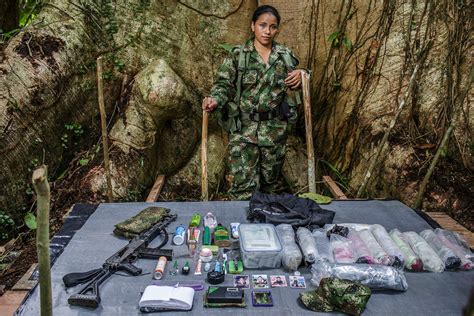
x,y
9,15
361,54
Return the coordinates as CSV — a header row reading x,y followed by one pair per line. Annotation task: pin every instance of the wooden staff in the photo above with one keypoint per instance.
x,y
103,122
43,196
204,187
309,131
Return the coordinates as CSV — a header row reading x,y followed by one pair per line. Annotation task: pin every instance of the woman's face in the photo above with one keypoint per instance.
x,y
265,28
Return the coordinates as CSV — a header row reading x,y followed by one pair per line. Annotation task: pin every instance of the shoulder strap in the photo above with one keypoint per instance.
x,y
241,67
290,64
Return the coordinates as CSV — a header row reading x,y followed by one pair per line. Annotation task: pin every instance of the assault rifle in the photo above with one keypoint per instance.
x,y
120,261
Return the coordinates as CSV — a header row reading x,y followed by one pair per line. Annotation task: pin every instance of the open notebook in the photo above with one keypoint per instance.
x,y
156,298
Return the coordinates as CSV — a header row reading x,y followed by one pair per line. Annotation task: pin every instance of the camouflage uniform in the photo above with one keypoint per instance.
x,y
256,148
335,294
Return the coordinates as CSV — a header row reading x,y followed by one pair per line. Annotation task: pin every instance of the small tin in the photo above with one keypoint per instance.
x,y
178,238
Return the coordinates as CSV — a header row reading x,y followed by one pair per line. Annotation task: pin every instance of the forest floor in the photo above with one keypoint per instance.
x,y
450,190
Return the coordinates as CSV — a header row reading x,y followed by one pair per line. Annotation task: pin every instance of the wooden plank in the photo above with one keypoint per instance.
x,y
447,222
335,190
25,283
156,189
10,301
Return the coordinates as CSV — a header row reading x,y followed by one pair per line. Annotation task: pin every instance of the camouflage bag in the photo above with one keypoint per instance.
x,y
133,226
339,295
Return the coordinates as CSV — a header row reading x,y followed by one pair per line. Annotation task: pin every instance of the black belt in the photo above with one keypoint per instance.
x,y
261,116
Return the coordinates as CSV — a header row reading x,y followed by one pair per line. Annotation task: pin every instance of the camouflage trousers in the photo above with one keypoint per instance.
x,y
252,167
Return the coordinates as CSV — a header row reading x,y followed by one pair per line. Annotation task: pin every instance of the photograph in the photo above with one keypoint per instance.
x,y
260,281
278,281
297,282
262,298
242,281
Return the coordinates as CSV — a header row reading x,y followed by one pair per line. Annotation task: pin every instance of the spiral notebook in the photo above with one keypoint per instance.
x,y
157,298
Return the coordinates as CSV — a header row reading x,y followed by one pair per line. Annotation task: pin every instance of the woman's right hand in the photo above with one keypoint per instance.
x,y
209,104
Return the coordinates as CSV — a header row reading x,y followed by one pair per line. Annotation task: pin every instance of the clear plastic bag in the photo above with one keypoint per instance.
x,y
341,249
374,276
291,255
322,244
382,236
451,261
307,244
362,252
458,245
431,260
412,261
376,250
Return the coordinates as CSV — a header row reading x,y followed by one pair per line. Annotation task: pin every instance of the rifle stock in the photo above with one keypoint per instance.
x,y
122,260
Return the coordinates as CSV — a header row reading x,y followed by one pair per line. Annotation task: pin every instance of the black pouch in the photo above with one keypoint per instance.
x,y
285,111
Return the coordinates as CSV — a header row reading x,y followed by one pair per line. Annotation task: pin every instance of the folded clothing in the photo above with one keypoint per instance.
x,y
334,294
133,226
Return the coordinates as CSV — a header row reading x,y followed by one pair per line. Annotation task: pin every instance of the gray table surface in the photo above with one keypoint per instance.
x,y
428,294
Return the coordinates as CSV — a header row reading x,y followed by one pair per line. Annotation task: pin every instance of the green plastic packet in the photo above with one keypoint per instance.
x,y
133,226
318,198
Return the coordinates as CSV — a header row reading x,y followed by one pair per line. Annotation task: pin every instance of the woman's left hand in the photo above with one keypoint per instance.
x,y
293,81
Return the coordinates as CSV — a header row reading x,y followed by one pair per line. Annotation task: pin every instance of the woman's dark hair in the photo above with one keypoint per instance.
x,y
265,9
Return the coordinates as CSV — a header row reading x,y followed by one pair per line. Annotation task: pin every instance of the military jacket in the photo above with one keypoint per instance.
x,y
262,90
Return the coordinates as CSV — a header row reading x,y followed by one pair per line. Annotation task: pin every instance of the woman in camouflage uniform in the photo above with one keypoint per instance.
x,y
258,136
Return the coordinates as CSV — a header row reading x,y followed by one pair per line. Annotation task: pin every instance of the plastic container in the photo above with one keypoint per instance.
x,y
260,246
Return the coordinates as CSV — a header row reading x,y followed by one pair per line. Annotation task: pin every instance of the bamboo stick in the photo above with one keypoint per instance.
x,y
383,143
421,192
41,185
309,131
204,183
103,121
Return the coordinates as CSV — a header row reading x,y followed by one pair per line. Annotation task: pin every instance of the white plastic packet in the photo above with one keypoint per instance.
x,y
459,246
382,236
341,249
412,261
451,261
307,244
374,276
322,244
378,253
362,252
291,255
431,260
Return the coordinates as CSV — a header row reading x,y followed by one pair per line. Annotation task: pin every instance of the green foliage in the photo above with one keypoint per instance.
x,y
83,161
347,43
74,132
334,38
30,220
29,10
7,226
337,38
341,180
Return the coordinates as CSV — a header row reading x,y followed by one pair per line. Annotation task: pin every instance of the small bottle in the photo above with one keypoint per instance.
x,y
210,221
175,269
160,267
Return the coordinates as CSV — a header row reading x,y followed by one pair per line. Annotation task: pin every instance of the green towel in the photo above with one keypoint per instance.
x,y
133,226
318,198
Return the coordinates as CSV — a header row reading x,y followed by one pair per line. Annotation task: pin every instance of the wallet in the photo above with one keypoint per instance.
x,y
225,294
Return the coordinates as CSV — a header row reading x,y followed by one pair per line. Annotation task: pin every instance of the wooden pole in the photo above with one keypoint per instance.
x,y
204,186
103,121
421,192
309,131
41,185
383,143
